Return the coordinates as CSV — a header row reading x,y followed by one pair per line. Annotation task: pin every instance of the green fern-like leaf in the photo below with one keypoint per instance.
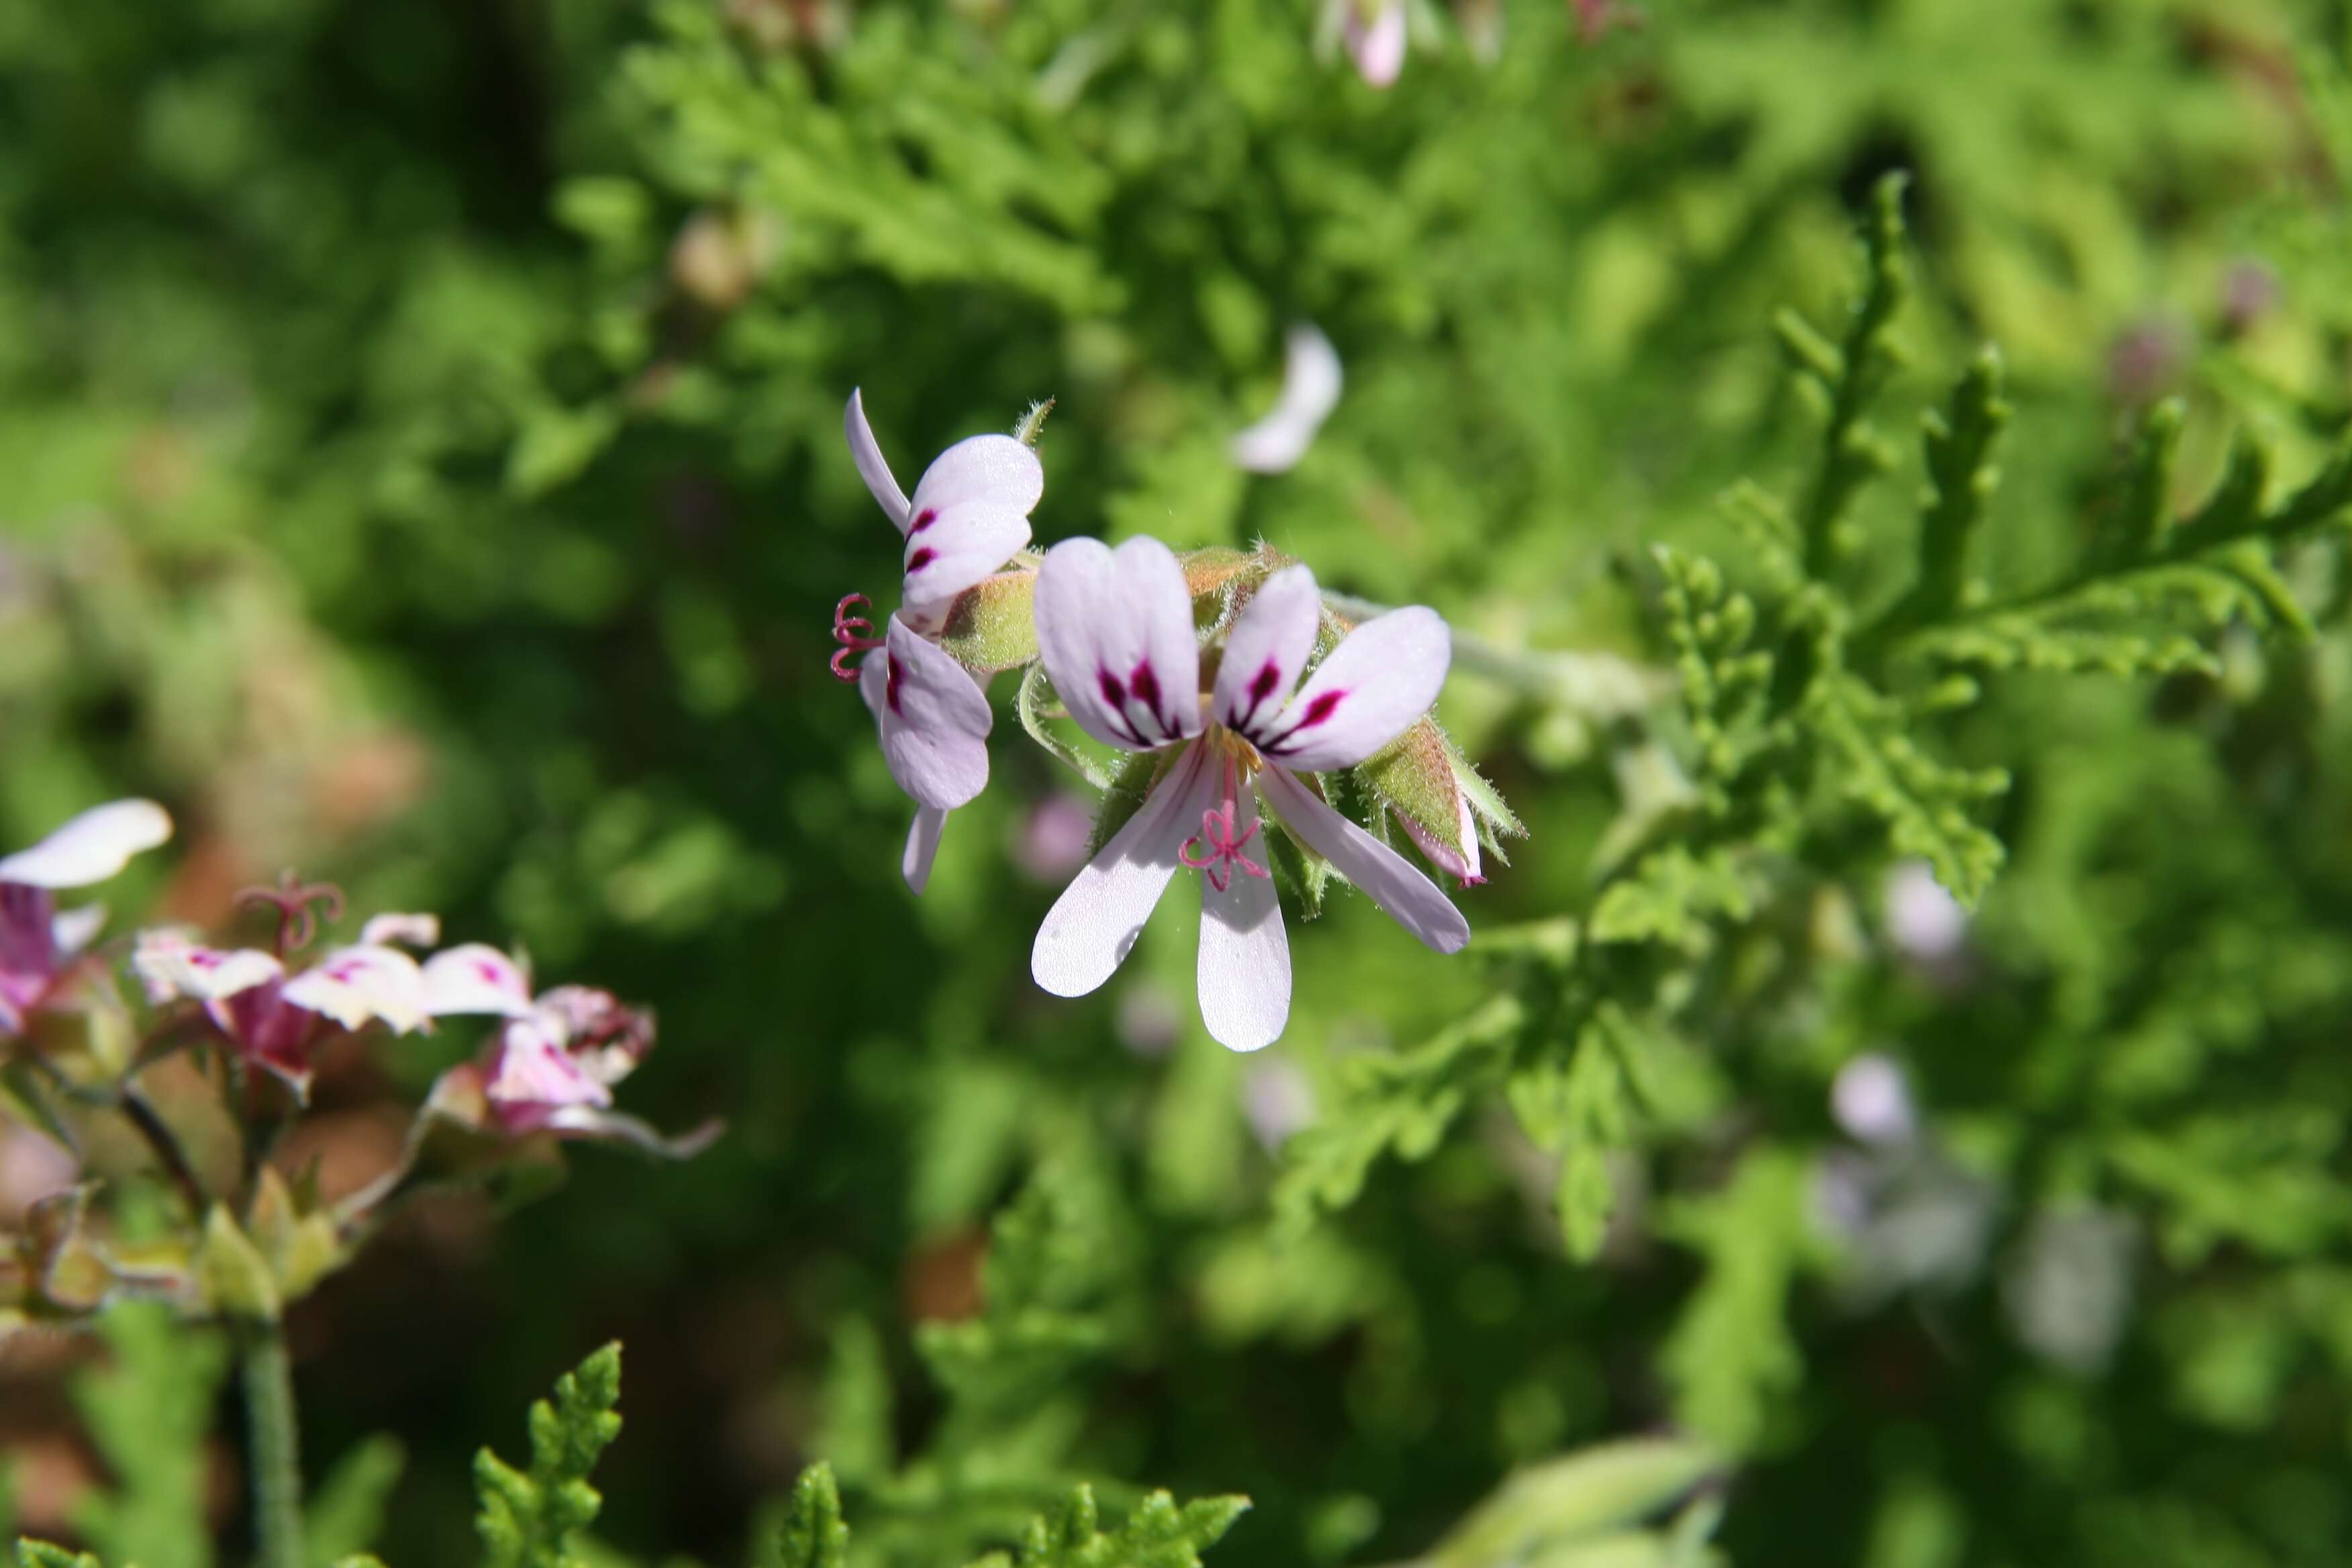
x,y
528,1519
1401,1105
41,1555
1157,1534
149,1412
1847,377
348,1509
811,1535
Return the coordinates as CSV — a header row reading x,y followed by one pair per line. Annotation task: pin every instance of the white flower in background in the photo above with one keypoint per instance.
x,y
969,516
1374,33
1923,921
1310,390
37,943
1115,630
1872,1100
1277,1099
2068,1286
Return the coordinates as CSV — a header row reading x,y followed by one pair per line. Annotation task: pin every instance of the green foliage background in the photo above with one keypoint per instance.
x,y
419,460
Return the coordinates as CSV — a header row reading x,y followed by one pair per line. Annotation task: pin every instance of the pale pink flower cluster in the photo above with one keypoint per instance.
x,y
1243,724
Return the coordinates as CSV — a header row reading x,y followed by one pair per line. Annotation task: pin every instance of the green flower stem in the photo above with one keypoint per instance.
x,y
274,1447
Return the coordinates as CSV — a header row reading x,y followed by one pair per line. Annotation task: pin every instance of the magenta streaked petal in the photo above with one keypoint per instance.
x,y
1115,630
1383,876
475,977
974,499
1383,675
933,718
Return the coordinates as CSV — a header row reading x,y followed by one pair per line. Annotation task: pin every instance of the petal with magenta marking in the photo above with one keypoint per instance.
x,y
933,719
1381,677
1114,629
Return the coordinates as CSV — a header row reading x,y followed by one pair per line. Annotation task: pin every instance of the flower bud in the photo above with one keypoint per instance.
x,y
1447,809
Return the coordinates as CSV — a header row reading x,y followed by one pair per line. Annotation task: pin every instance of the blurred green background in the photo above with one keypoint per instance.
x,y
420,463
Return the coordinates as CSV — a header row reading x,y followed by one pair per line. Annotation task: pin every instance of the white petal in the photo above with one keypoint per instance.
x,y
1378,49
970,514
1268,648
1091,927
1310,390
1381,677
933,718
1245,966
354,984
1114,628
1406,896
74,929
866,453
171,968
533,1071
92,847
408,930
475,977
922,847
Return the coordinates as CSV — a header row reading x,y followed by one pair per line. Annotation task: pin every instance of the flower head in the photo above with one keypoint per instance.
x,y
969,516
37,943
1114,628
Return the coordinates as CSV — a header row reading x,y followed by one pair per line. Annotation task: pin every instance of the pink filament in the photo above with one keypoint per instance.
x,y
1223,854
853,632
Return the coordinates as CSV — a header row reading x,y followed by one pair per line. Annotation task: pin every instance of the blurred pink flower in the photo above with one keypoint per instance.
x,y
37,943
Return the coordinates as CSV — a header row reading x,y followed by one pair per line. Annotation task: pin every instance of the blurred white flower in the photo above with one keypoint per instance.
x,y
1277,1099
1051,839
2068,1287
1310,390
1872,1100
1923,921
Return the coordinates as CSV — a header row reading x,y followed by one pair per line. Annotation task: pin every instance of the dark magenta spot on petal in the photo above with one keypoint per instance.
x,y
1113,692
921,558
1320,709
1147,687
923,519
892,674
1262,683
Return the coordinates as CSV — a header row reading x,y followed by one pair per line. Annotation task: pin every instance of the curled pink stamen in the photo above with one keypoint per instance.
x,y
853,632
1223,854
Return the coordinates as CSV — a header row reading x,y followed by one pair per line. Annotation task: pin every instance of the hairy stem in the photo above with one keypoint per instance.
x,y
274,1447
1596,685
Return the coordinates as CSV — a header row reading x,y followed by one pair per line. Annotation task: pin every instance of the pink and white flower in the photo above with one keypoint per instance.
x,y
38,944
277,1019
1114,628
969,516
